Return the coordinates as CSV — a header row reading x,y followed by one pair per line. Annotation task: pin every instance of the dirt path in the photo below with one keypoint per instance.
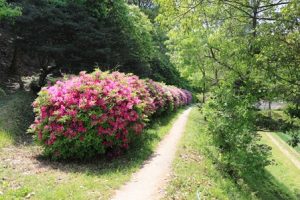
x,y
148,183
284,150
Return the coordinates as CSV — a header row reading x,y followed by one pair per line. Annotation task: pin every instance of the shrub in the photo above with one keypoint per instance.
x,y
293,111
158,95
97,113
231,123
294,140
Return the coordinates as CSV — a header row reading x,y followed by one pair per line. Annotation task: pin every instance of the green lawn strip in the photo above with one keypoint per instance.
x,y
286,138
284,170
95,180
194,172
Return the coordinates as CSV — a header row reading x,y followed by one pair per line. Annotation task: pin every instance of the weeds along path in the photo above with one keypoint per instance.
x,y
284,149
149,182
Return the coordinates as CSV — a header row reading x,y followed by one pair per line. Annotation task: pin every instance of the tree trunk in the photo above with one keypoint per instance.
x,y
43,75
12,70
216,77
204,86
270,108
42,78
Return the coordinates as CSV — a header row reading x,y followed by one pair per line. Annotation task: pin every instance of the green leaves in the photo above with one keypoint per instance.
x,y
230,119
8,11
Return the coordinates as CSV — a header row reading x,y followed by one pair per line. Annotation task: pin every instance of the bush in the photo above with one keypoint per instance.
x,y
98,113
294,140
293,111
231,123
158,94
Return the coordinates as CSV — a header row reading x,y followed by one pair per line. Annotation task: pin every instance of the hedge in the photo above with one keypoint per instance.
x,y
92,114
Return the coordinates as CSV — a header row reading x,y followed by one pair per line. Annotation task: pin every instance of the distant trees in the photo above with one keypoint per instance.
x,y
72,36
79,35
162,68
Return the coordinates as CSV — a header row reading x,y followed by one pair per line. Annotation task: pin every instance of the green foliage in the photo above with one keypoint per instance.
x,y
243,52
278,121
79,35
99,114
8,11
294,140
95,179
99,28
293,111
196,174
286,137
231,122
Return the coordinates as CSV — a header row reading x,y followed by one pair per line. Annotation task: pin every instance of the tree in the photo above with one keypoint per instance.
x,y
162,69
236,38
77,35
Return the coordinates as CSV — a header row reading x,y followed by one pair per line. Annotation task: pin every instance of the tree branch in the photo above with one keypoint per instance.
x,y
238,8
274,4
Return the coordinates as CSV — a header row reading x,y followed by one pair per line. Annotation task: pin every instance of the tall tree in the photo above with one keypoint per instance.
x,y
237,38
77,35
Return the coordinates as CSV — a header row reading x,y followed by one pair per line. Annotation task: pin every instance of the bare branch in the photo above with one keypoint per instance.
x,y
238,8
273,4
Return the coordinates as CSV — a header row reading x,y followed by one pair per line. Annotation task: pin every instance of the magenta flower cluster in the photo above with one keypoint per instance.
x,y
92,114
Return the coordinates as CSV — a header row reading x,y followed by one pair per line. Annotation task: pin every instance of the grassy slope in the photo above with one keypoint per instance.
x,y
195,173
286,138
96,180
281,115
284,170
15,117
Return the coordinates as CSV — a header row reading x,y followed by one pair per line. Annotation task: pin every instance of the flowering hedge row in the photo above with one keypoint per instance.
x,y
93,114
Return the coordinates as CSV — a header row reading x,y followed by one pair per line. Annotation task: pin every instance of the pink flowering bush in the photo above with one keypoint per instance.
x,y
157,93
93,114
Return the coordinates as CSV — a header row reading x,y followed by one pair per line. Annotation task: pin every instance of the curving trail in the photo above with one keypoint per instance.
x,y
149,182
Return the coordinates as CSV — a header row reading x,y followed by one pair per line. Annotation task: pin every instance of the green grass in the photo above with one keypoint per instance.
x,y
16,115
194,172
37,178
5,139
286,138
284,170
